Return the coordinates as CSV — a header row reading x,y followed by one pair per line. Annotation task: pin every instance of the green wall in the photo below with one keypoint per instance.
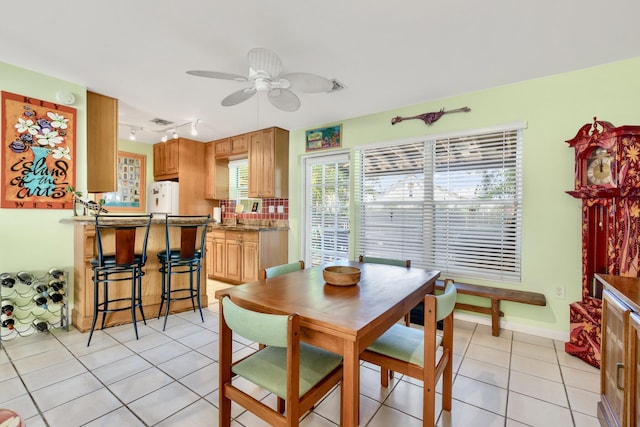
x,y
554,108
34,239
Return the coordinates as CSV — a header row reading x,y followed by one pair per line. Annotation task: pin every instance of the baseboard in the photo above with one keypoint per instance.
x,y
516,327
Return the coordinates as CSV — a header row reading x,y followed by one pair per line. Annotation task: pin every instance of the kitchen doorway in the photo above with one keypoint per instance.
x,y
326,220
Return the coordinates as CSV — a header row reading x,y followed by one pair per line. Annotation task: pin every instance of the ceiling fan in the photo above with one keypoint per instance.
x,y
265,70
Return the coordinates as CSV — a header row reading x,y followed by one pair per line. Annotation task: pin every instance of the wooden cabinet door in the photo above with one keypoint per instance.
x,y
261,164
158,160
172,157
222,147
613,371
233,250
102,143
209,257
210,171
249,261
219,258
166,159
239,144
634,364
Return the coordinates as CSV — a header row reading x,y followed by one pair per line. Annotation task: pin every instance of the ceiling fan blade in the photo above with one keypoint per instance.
x,y
308,82
265,61
238,97
284,99
218,75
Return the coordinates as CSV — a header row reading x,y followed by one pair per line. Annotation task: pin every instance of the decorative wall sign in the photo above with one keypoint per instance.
x,y
38,153
131,194
319,139
430,118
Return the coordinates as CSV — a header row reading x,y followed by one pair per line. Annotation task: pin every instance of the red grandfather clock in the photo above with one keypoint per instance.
x,y
607,179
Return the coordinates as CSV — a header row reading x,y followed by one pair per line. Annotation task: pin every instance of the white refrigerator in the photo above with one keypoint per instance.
x,y
163,197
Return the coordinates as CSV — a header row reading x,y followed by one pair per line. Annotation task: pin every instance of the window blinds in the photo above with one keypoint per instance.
x,y
451,204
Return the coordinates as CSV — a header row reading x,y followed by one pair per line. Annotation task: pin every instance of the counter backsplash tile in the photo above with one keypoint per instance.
x,y
265,217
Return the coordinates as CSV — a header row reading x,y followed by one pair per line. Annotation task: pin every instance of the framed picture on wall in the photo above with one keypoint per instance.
x,y
320,139
131,194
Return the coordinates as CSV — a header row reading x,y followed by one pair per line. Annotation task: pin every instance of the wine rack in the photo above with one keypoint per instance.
x,y
33,302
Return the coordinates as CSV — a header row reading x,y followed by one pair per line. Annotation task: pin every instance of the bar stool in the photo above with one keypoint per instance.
x,y
185,245
121,242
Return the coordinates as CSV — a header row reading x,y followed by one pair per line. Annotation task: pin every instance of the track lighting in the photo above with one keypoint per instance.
x,y
167,133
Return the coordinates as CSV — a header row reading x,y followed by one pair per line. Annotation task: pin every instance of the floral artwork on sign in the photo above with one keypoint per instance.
x,y
38,153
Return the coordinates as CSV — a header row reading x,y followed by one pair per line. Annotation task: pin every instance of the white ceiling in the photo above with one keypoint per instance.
x,y
387,54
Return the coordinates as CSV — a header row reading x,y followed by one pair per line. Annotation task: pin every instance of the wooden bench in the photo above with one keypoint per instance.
x,y
495,295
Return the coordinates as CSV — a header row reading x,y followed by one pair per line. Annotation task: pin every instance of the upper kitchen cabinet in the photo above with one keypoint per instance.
x,y
183,160
166,160
216,185
269,163
102,143
231,147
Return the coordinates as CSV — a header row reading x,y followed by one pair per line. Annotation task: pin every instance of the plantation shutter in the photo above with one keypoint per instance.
x,y
238,179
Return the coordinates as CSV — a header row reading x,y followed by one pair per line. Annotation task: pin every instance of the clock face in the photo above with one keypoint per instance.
x,y
599,167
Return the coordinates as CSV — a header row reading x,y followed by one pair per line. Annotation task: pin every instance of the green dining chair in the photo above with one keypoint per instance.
x,y
413,352
298,374
389,261
277,270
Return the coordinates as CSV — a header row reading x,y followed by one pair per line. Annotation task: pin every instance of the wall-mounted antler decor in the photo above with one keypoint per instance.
x,y
430,118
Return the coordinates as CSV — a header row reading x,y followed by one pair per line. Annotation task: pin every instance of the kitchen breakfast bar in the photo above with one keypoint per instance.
x,y
85,249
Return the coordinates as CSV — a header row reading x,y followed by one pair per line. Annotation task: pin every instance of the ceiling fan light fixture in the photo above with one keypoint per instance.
x,y
175,135
132,135
164,138
194,128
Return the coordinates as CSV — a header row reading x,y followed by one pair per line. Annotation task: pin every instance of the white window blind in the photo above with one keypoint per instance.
x,y
451,204
238,179
327,209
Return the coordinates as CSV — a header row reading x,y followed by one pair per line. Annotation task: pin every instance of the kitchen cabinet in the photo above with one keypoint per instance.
x,y
269,163
166,160
618,404
102,143
242,255
232,147
238,254
183,160
216,185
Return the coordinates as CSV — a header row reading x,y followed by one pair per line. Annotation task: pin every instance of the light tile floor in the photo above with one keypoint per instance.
x,y
171,379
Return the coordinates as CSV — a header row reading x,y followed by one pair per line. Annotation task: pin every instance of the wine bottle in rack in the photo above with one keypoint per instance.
x,y
41,288
40,325
56,297
7,307
56,273
40,301
7,321
24,277
6,280
56,285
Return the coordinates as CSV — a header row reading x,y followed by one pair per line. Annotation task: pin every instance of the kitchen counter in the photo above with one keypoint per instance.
x,y
160,219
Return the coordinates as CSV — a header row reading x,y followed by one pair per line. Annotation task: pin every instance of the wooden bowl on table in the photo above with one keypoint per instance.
x,y
340,275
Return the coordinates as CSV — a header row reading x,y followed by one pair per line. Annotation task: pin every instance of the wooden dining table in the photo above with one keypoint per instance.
x,y
341,319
